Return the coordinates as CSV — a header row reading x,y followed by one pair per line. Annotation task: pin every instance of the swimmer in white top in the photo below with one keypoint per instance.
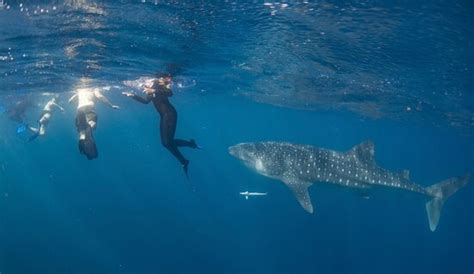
x,y
45,118
86,118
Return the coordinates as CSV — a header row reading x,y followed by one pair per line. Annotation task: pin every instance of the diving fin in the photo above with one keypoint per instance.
x,y
33,136
194,144
185,169
21,128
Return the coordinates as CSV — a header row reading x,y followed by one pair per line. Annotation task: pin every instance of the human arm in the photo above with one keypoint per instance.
x,y
104,99
58,106
72,98
138,98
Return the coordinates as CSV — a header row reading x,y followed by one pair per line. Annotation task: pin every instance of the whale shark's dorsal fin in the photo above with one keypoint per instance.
x,y
300,190
364,151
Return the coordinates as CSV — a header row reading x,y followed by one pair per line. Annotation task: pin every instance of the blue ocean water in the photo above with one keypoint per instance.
x,y
325,73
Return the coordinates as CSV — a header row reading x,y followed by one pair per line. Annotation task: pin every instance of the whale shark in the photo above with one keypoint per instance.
x,y
299,166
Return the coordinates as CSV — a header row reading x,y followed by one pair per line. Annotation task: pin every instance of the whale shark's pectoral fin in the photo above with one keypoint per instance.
x,y
300,190
364,152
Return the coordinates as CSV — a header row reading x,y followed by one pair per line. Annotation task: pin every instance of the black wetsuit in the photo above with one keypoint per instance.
x,y
168,121
86,146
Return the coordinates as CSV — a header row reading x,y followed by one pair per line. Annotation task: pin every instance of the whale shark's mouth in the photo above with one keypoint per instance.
x,y
244,153
240,151
233,151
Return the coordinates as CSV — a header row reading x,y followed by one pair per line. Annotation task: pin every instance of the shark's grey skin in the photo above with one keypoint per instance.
x,y
298,166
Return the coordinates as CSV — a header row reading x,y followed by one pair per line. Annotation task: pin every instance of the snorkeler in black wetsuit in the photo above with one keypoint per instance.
x,y
158,93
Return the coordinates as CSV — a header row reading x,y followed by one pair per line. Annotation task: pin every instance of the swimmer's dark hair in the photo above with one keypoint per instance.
x,y
155,84
159,75
164,75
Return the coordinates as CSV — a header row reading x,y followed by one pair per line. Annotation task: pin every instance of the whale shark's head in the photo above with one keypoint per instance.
x,y
252,156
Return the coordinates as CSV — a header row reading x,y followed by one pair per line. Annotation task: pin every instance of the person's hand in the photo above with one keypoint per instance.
x,y
148,90
128,94
115,107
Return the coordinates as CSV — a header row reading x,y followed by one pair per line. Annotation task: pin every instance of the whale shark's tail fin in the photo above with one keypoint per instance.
x,y
440,193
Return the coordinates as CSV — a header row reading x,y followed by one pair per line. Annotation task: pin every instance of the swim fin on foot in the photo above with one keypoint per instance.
x,y
194,145
185,168
33,137
21,128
